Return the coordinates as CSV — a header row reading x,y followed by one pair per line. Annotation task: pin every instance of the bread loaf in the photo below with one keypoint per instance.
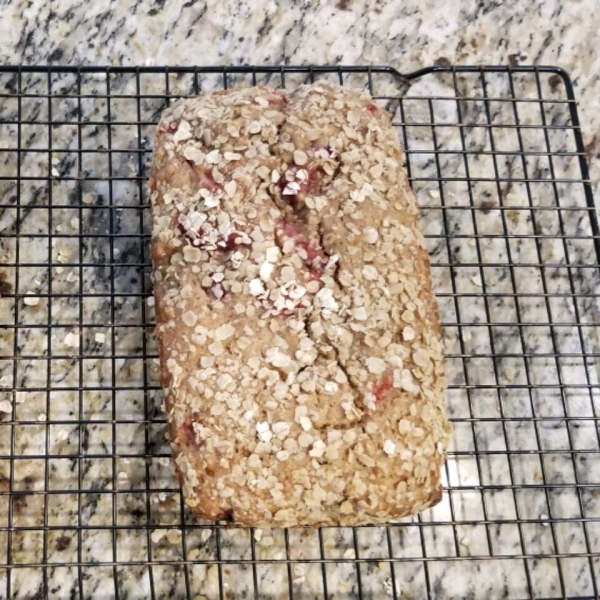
x,y
298,333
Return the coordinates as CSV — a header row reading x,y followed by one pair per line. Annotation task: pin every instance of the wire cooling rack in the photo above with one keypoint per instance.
x,y
89,507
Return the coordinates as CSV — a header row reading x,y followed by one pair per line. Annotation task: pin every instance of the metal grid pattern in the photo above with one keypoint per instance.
x,y
88,505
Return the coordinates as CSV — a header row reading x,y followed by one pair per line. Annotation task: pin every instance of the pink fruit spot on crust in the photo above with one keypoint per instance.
x,y
188,435
170,127
312,253
382,387
208,181
282,96
315,257
289,312
293,230
314,274
234,239
314,174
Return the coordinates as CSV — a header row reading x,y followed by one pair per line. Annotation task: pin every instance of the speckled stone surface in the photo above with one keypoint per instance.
x,y
115,469
407,35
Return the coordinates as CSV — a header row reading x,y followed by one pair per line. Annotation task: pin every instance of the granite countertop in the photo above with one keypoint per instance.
x,y
120,451
407,35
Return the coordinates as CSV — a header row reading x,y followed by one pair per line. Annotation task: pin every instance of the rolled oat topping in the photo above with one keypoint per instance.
x,y
298,333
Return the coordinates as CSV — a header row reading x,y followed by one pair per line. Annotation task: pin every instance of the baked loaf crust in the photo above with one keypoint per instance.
x,y
298,333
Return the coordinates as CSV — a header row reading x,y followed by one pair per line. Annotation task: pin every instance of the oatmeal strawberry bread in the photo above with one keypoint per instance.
x,y
298,333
